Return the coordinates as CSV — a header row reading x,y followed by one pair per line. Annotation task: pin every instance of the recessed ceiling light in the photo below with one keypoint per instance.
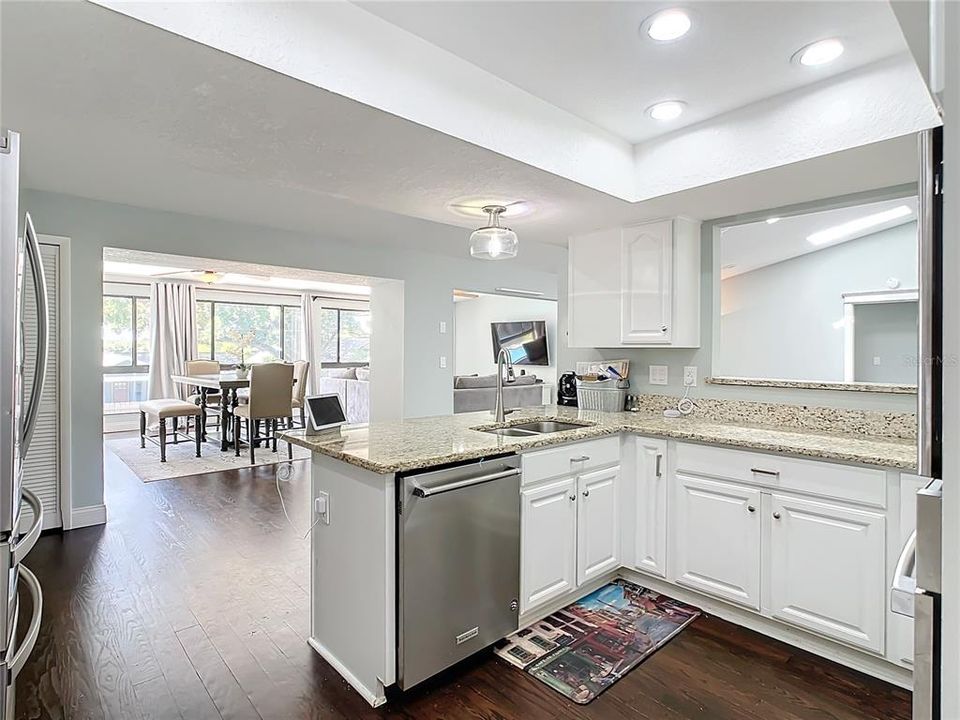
x,y
838,232
771,221
667,110
819,53
667,25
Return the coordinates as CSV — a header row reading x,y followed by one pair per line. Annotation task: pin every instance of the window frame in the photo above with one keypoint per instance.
x,y
213,325
340,363
134,367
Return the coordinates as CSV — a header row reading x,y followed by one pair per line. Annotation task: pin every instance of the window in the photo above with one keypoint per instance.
x,y
344,336
126,333
263,332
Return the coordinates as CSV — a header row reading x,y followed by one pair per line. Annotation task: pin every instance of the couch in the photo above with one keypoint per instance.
x,y
353,387
479,392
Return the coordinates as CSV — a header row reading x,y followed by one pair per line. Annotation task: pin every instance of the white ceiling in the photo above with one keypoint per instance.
x,y
117,110
591,59
754,245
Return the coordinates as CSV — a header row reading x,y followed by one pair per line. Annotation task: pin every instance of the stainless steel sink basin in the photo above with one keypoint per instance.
x,y
511,432
542,427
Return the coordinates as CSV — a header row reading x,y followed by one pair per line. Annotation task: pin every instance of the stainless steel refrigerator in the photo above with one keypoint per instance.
x,y
21,271
917,579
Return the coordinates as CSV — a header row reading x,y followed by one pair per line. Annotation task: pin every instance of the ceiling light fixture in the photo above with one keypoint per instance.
x,y
667,110
667,25
771,221
819,53
493,242
852,227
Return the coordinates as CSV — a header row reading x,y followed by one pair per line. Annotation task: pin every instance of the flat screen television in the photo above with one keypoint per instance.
x,y
525,341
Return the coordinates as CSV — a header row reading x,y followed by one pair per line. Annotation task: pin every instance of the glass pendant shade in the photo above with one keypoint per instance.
x,y
493,242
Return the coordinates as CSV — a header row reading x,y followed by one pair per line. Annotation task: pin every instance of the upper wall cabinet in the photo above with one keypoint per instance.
x,y
636,286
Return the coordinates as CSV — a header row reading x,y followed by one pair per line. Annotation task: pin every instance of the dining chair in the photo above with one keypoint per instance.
x,y
212,405
301,369
270,401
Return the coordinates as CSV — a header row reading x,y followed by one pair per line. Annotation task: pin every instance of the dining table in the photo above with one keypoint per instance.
x,y
226,383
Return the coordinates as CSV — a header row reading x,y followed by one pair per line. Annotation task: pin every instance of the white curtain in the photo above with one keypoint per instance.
x,y
173,336
309,342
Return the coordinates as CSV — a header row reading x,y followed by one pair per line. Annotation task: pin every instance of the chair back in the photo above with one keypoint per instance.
x,y
300,370
270,390
202,367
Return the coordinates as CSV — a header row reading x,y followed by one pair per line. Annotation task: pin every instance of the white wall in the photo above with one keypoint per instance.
x,y
429,281
785,320
474,344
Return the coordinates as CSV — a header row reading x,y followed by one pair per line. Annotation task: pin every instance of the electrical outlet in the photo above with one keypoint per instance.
x,y
876,360
690,376
443,327
658,374
443,362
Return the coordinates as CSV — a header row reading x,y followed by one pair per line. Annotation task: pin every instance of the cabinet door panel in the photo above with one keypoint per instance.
x,y
718,539
827,569
594,290
598,523
651,507
646,266
548,517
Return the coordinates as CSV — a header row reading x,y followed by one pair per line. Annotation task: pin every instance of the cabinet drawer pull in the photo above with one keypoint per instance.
x,y
751,508
582,458
573,496
776,516
761,471
659,458
586,493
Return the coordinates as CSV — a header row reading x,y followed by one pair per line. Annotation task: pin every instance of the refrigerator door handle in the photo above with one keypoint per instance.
x,y
15,665
39,377
904,583
26,541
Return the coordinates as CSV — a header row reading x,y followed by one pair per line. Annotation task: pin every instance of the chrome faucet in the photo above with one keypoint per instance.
x,y
502,357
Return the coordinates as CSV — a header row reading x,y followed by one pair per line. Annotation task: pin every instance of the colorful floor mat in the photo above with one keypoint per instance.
x,y
586,647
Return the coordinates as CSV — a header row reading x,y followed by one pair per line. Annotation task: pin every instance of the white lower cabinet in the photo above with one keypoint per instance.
x,y
826,569
548,542
598,528
717,533
650,506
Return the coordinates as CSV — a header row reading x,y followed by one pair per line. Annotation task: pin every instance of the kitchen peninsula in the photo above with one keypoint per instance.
x,y
810,507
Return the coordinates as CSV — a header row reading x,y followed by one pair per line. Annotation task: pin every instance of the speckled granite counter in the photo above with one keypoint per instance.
x,y
426,442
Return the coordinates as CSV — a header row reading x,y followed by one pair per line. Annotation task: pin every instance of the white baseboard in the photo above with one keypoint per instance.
x,y
87,516
376,698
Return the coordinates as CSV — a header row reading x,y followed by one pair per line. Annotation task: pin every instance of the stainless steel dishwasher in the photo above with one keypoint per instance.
x,y
458,584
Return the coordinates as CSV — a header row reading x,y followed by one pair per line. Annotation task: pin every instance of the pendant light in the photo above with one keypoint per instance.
x,y
493,242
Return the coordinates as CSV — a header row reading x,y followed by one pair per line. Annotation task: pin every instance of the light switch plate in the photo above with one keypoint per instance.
x,y
690,376
443,362
443,327
658,374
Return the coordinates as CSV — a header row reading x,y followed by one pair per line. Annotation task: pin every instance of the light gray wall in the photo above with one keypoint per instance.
x,y
785,320
886,332
429,281
676,359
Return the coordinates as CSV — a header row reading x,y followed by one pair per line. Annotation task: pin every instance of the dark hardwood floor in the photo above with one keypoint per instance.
x,y
192,603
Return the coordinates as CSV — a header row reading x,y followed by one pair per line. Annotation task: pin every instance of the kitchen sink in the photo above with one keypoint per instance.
x,y
542,427
511,432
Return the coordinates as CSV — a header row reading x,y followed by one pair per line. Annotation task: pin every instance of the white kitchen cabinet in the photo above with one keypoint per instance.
x,y
548,542
826,569
717,532
598,528
636,286
650,506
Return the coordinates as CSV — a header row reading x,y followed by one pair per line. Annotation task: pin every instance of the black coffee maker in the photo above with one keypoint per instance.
x,y
567,389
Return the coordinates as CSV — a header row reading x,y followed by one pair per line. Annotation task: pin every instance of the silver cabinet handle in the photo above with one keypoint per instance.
x,y
40,372
425,492
659,459
573,496
776,516
586,493
16,664
751,508
904,584
761,471
582,458
26,541
663,328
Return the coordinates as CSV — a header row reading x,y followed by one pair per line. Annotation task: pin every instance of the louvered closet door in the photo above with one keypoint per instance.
x,y
42,464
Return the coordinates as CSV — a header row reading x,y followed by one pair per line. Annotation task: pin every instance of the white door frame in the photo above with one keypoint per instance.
x,y
850,302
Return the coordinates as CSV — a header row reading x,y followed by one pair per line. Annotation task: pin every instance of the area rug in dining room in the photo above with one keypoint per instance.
x,y
182,458
583,649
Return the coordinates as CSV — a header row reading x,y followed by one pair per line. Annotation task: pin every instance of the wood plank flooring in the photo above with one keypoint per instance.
x,y
192,603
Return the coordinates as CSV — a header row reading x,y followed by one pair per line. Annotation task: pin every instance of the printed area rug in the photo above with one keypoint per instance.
x,y
182,458
586,647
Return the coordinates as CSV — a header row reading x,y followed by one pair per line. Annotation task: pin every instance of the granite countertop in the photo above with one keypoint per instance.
x,y
425,442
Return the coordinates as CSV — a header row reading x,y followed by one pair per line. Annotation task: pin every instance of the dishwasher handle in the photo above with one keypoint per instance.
x,y
425,492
